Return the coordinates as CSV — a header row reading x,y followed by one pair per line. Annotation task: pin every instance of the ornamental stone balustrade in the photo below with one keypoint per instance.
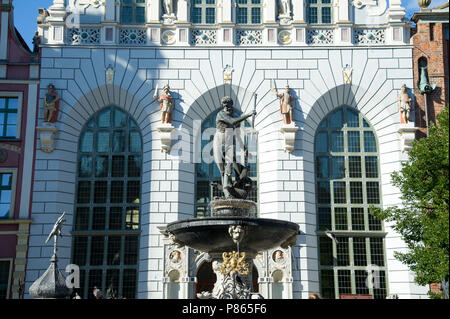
x,y
391,28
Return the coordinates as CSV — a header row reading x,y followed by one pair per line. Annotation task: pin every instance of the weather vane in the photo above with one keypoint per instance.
x,y
56,231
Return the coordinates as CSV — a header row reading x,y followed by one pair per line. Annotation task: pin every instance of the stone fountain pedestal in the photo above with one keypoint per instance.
x,y
232,238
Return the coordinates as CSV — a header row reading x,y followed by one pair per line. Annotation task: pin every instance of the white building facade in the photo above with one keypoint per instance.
x,y
344,62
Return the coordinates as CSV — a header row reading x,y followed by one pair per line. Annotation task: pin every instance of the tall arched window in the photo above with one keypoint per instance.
x,y
248,11
347,184
207,172
107,205
203,11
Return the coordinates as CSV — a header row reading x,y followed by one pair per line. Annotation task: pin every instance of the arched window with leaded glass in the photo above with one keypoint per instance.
x,y
107,204
350,239
207,173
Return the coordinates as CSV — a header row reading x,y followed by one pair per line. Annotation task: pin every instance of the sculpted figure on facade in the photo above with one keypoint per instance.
x,y
51,104
225,151
404,105
278,256
175,256
284,8
36,42
286,105
56,231
347,71
166,102
168,7
237,233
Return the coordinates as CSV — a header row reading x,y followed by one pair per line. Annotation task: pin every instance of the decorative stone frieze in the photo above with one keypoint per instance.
x,y
369,36
319,36
133,36
168,37
203,36
84,35
249,37
285,37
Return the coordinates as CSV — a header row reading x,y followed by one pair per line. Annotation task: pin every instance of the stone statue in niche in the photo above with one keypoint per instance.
x,y
284,8
166,102
404,105
51,104
169,12
168,7
286,105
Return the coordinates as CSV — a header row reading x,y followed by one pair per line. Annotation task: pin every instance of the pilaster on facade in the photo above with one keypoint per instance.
x,y
20,261
5,14
396,12
183,15
343,11
57,11
57,14
298,10
110,11
153,11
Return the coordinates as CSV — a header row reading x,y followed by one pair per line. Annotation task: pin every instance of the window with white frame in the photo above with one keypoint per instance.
x,y
7,187
9,116
319,11
347,184
132,12
248,11
203,11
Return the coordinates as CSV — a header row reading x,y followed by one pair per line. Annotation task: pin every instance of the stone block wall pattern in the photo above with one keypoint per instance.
x,y
286,180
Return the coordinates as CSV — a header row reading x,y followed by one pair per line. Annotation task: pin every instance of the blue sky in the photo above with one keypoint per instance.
x,y
26,11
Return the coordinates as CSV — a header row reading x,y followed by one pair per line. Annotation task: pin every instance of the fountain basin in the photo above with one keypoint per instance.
x,y
211,234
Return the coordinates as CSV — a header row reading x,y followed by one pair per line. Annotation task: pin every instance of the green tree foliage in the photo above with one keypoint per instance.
x,y
423,219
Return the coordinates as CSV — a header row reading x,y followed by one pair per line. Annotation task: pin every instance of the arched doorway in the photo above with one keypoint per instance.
x,y
206,279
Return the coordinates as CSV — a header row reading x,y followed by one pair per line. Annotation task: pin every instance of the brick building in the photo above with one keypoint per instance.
x,y
431,49
19,78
